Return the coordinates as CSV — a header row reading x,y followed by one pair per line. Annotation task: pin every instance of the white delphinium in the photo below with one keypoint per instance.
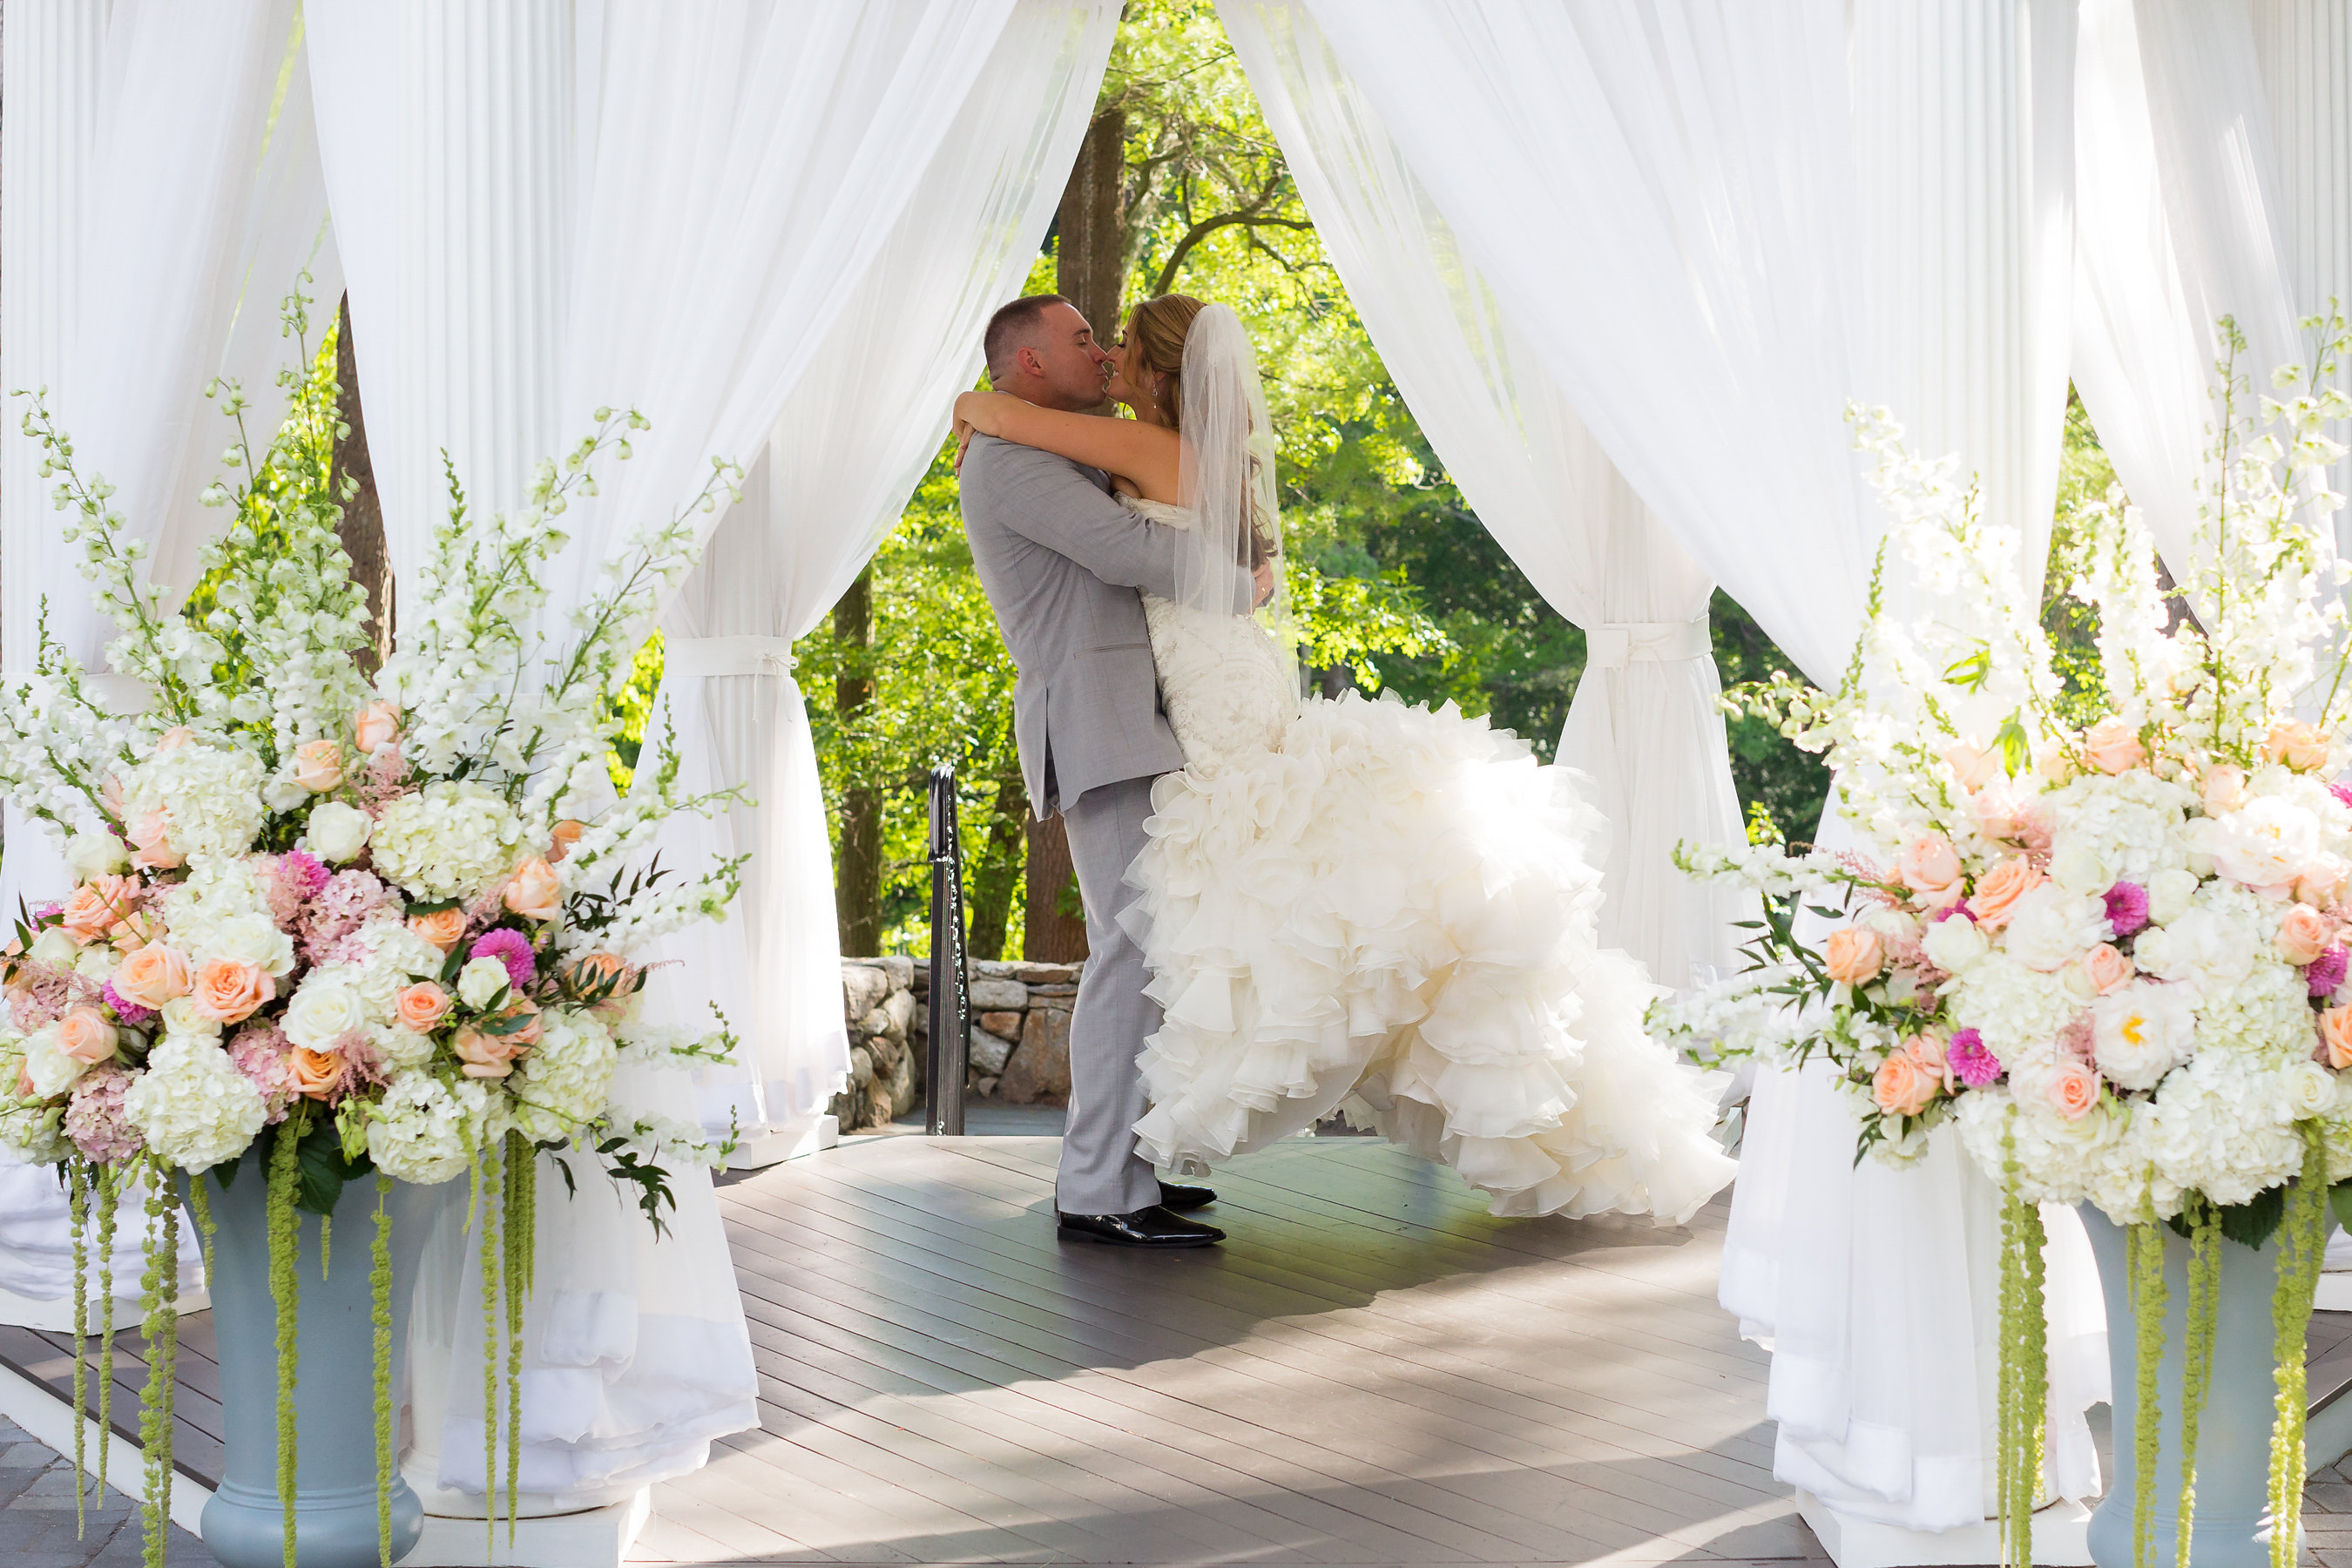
x,y
673,1144
665,908
193,1109
424,1131
567,1078
450,839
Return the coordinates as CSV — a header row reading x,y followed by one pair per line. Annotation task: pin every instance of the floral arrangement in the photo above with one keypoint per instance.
x,y
366,930
2102,932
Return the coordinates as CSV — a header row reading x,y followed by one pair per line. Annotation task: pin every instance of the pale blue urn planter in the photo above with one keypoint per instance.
x,y
334,1395
2233,1433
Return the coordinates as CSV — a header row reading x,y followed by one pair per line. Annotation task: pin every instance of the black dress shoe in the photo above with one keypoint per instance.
x,y
1183,1200
1154,1229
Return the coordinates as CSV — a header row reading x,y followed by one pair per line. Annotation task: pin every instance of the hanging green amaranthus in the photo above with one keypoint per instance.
x,y
2144,1264
159,1296
380,1316
284,1225
2302,1246
2022,1390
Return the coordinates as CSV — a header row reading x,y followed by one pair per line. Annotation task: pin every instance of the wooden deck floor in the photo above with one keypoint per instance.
x,y
1372,1369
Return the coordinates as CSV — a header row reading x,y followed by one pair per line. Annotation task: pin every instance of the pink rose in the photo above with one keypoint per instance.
x,y
2224,789
1901,1087
1927,1050
484,1056
2300,746
1999,890
2303,933
1853,955
232,992
318,766
86,1036
2001,810
443,927
1930,868
2113,746
534,893
2073,1089
98,907
2105,969
152,976
150,835
1975,768
2336,1036
176,736
376,725
421,1007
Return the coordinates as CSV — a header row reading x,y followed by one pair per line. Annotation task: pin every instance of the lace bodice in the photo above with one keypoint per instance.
x,y
1226,688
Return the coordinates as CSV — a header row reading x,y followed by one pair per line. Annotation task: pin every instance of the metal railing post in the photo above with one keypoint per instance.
x,y
951,1003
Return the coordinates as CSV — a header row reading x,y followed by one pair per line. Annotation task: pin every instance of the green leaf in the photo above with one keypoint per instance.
x,y
1969,674
2339,1198
324,1168
2016,750
2249,1223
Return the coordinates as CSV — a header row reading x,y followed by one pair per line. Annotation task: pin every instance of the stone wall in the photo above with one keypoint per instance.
x,y
1020,1035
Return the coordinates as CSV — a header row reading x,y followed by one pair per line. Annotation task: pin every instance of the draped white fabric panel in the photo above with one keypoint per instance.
x,y
845,452
1644,724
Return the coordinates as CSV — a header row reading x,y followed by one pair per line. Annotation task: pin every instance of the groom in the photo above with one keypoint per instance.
x,y
1062,562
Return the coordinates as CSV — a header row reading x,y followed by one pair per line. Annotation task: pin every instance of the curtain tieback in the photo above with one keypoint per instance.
x,y
1616,643
702,657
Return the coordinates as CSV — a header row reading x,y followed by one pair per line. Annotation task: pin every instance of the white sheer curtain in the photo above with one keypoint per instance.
x,y
157,248
852,441
1668,200
1644,724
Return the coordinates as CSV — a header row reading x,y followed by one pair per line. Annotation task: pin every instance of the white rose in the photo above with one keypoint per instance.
x,y
2050,928
479,981
323,1012
56,946
283,795
2168,894
2077,868
95,855
181,1018
2308,1088
252,939
1954,943
51,1070
338,831
2142,1032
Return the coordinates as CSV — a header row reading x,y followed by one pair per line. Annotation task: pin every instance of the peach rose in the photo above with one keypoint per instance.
x,y
318,766
2113,746
2073,1089
109,795
1999,890
86,1036
136,928
231,991
1853,955
2224,789
1976,768
176,736
566,834
1930,868
2105,969
374,725
1927,1048
2303,934
150,835
97,908
599,974
315,1075
527,1032
421,1007
2300,746
534,893
2001,810
444,929
152,976
2336,1036
484,1056
1901,1087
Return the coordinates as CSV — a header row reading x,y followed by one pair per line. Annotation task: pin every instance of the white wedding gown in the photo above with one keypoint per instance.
x,y
1361,897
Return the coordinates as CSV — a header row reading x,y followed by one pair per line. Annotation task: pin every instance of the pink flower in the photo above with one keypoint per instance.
x,y
534,893
1930,868
2299,745
1999,890
2303,933
150,835
263,1058
2224,789
1852,955
2326,972
2073,1089
1975,767
510,948
94,1119
2113,746
2105,969
318,766
1969,1061
1901,1087
376,725
2127,908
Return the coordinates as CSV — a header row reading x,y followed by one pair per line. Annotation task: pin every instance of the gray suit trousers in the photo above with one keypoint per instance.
x,y
1101,1173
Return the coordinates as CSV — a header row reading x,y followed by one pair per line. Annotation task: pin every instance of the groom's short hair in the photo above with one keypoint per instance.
x,y
1008,329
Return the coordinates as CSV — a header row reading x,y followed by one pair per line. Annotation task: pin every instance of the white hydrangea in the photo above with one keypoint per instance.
x,y
450,840
2012,1006
424,1132
566,1080
193,1109
220,892
2129,821
210,797
2219,1130
2213,946
2050,928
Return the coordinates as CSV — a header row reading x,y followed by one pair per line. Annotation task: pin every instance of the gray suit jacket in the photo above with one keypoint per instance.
x,y
1061,563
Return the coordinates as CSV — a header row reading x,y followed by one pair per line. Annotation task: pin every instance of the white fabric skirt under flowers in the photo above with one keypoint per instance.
x,y
1399,903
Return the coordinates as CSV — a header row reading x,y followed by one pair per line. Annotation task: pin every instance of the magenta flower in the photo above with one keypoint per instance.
x,y
1969,1061
510,948
2341,791
45,914
1959,909
304,870
127,1010
2127,908
2327,971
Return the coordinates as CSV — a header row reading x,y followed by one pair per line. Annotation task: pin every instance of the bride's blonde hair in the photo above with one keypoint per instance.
x,y
1157,329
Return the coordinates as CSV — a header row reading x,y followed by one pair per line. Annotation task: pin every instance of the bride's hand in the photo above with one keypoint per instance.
x,y
964,433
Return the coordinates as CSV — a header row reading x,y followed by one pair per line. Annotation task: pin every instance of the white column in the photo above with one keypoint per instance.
x,y
51,86
2304,47
1964,151
481,205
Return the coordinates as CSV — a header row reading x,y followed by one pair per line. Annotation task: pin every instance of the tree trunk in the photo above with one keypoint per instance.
x,y
857,875
362,529
998,868
1054,922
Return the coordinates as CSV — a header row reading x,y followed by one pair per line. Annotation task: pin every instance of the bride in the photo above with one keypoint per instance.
x,y
1357,901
